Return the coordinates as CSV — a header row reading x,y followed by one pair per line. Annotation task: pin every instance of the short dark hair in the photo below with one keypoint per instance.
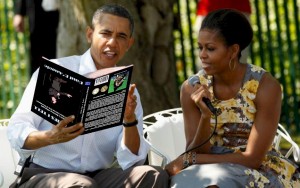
x,y
233,26
116,10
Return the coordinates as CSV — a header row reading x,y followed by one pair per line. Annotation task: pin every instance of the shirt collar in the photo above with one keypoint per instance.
x,y
87,64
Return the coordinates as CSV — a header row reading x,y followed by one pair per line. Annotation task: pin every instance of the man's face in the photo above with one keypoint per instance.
x,y
110,39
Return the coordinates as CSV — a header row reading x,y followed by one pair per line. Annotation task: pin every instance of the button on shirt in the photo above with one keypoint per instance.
x,y
85,153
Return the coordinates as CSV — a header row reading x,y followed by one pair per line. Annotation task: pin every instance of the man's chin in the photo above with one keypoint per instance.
x,y
107,64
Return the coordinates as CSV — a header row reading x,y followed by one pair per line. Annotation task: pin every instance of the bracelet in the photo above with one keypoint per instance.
x,y
186,161
130,124
194,155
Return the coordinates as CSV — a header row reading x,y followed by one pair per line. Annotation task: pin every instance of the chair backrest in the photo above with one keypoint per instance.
x,y
8,157
164,131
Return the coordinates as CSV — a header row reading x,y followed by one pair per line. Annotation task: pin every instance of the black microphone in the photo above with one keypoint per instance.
x,y
193,80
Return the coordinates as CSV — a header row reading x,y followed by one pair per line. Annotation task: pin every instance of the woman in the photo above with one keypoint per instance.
x,y
237,152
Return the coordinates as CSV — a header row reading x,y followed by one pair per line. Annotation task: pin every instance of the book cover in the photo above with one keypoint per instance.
x,y
97,99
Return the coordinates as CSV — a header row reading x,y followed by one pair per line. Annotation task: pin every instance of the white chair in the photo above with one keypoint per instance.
x,y
8,157
164,131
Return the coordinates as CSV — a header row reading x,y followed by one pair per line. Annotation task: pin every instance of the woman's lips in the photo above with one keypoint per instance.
x,y
205,65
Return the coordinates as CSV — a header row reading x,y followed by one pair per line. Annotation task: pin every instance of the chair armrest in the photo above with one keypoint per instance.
x,y
164,159
166,125
294,149
1,179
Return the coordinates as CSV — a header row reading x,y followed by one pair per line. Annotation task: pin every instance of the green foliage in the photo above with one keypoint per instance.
x,y
13,62
275,47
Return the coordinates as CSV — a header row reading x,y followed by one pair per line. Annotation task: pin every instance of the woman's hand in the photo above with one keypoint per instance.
x,y
200,91
18,23
175,166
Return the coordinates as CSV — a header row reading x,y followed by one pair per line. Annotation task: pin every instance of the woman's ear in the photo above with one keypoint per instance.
x,y
235,50
89,34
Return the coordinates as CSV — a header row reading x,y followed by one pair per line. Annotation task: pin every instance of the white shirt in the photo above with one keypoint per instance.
x,y
85,153
50,5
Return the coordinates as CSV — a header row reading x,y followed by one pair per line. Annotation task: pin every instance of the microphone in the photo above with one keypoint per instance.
x,y
193,80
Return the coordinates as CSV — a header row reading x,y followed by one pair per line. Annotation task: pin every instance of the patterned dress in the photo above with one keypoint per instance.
x,y
234,121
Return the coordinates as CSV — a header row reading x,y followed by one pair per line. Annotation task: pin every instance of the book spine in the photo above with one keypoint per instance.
x,y
83,104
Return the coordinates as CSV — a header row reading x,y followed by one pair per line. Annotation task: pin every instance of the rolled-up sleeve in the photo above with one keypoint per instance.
x,y
22,122
125,157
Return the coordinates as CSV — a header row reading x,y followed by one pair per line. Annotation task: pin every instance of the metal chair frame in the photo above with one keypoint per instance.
x,y
281,135
8,157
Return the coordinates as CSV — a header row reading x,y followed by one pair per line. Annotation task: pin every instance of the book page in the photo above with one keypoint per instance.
x,y
105,71
107,99
58,93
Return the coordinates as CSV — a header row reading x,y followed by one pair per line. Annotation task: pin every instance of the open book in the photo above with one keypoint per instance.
x,y
97,99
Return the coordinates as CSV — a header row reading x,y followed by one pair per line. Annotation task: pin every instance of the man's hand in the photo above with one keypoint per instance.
x,y
131,136
18,23
58,134
61,133
129,115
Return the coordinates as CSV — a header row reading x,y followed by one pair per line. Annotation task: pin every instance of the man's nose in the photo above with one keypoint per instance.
x,y
112,41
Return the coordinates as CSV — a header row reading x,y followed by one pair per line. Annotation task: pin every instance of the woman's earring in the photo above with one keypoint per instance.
x,y
231,65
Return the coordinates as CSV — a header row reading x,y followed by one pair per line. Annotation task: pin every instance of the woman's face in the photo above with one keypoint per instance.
x,y
213,52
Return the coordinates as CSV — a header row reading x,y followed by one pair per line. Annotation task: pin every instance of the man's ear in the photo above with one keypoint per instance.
x,y
89,34
131,41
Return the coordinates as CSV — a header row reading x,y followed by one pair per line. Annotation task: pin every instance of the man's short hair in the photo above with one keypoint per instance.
x,y
116,10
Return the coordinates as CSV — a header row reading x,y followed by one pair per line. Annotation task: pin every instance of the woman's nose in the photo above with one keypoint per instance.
x,y
202,54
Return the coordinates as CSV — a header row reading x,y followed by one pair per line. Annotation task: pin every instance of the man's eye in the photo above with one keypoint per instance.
x,y
105,33
123,36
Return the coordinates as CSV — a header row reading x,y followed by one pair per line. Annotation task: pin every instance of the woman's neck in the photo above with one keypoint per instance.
x,y
227,85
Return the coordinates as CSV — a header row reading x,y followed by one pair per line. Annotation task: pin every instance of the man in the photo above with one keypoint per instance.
x,y
83,160
43,18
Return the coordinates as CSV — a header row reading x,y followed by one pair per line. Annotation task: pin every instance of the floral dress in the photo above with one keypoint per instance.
x,y
234,121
